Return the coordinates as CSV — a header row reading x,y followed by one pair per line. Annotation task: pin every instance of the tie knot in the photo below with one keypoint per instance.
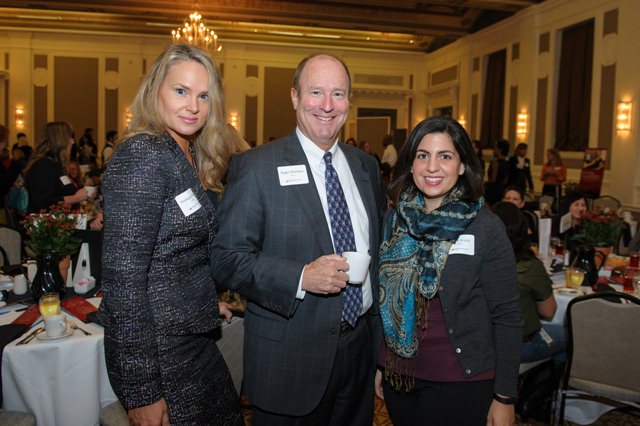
x,y
327,158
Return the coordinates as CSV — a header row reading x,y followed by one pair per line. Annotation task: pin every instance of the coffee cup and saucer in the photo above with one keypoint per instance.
x,y
55,327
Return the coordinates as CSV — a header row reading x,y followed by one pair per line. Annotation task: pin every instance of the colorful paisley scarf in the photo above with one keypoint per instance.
x,y
413,253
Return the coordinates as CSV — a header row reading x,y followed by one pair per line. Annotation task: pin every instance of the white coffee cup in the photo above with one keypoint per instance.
x,y
19,284
91,191
55,325
358,266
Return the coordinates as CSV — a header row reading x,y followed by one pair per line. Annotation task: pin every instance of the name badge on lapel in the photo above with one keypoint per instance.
x,y
464,245
65,180
293,175
188,202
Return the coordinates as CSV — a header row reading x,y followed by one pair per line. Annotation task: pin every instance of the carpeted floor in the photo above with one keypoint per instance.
x,y
381,418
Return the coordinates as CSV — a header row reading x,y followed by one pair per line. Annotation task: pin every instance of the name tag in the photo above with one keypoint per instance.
x,y
188,202
293,175
464,245
65,180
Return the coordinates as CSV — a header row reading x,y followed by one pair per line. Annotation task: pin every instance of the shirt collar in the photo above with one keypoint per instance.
x,y
315,154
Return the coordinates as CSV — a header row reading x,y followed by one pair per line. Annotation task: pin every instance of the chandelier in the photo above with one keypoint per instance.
x,y
195,32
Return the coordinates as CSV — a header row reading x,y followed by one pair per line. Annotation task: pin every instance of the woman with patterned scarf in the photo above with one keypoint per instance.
x,y
448,291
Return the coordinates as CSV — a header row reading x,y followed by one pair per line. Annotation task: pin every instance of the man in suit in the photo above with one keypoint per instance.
x,y
303,362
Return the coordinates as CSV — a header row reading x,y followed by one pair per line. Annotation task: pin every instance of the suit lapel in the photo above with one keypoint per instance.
x,y
308,195
363,181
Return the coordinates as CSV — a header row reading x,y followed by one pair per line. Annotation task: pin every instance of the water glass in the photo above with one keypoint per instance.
x,y
49,304
574,277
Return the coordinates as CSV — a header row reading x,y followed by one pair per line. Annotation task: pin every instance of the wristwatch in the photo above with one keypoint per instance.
x,y
505,399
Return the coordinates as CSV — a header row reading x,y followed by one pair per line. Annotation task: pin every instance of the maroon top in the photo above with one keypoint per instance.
x,y
436,360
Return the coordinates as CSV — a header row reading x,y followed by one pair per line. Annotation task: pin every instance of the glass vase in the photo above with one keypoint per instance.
x,y
48,278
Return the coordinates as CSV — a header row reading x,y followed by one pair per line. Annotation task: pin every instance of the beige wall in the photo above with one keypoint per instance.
x,y
400,81
622,179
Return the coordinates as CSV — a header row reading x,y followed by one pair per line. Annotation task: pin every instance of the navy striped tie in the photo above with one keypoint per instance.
x,y
343,238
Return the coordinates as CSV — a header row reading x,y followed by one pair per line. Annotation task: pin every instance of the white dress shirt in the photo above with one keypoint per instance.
x,y
357,211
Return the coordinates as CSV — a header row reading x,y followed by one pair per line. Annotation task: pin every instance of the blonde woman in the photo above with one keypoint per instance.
x,y
160,307
47,182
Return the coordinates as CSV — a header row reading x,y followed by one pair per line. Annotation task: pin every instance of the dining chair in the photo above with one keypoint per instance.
x,y
602,352
11,249
606,201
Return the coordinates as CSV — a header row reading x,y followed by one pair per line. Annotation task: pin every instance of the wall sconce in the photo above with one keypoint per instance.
x,y
462,122
522,123
128,117
19,117
233,120
623,115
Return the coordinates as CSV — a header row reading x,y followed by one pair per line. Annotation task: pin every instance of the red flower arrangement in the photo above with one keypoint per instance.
x,y
600,228
53,231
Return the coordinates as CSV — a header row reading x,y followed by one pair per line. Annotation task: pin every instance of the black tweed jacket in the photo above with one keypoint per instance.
x,y
155,265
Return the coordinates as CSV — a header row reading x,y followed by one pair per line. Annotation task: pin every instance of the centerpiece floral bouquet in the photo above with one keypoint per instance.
x,y
52,231
600,228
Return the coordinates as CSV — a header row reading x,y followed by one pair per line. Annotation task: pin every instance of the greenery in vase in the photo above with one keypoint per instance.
x,y
53,231
600,228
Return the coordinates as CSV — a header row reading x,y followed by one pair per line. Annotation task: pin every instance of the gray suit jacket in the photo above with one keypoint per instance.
x,y
267,234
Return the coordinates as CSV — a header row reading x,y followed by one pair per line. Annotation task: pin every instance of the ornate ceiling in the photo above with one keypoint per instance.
x,y
379,24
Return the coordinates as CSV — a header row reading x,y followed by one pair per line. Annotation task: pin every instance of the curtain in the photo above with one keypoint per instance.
x,y
574,88
493,102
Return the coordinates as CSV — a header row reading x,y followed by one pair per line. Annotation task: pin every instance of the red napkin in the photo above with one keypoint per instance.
x,y
78,307
29,316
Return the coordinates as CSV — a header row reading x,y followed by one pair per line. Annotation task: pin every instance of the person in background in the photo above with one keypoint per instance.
x,y
75,174
515,195
390,155
291,207
574,203
520,169
536,293
45,174
448,295
22,143
554,174
477,147
109,146
351,141
7,174
498,172
160,309
366,147
87,148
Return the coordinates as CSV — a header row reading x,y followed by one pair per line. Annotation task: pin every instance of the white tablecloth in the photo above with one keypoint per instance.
x,y
62,382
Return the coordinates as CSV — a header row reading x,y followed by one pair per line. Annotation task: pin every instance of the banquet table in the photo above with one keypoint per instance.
x,y
62,381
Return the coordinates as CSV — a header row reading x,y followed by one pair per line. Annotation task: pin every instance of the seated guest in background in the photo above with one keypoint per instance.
x,y
515,195
448,298
160,309
520,169
45,174
574,203
75,174
536,294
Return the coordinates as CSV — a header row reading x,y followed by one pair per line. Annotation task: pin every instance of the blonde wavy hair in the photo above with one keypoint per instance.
x,y
213,143
54,142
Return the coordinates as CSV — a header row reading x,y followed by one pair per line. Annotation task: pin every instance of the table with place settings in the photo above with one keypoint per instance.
x,y
60,381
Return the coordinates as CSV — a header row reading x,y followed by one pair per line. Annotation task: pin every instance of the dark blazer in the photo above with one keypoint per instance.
x,y
268,233
156,278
